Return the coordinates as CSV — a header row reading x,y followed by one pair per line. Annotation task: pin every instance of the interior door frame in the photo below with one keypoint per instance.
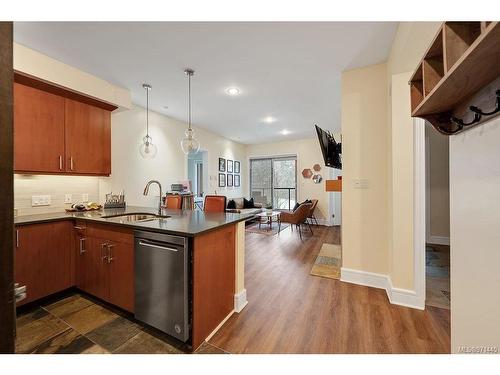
x,y
7,321
419,210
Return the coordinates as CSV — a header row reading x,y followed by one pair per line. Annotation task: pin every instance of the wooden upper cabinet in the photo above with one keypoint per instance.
x,y
88,138
59,131
38,130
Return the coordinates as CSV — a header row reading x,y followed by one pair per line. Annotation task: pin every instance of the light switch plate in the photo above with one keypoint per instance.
x,y
41,200
361,183
85,198
68,198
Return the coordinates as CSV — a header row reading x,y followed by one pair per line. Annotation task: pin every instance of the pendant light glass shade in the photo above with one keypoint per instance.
x,y
147,149
189,144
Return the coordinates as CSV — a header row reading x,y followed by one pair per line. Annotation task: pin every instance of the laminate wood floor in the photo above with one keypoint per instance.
x,y
291,311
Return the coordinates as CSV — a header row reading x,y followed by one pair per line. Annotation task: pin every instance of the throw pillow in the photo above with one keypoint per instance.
x,y
231,204
297,205
248,203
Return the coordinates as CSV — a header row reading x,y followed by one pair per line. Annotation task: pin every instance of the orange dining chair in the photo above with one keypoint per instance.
x,y
173,202
215,203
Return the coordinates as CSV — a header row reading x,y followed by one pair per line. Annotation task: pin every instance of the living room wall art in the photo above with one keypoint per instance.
x,y
229,165
222,165
307,173
236,166
236,180
229,180
222,179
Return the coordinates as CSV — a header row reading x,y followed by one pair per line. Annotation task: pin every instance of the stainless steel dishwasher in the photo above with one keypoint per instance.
x,y
161,282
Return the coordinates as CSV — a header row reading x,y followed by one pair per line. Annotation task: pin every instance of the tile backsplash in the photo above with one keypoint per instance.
x,y
25,186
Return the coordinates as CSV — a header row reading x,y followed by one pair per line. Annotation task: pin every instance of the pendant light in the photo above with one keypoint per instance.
x,y
148,150
189,144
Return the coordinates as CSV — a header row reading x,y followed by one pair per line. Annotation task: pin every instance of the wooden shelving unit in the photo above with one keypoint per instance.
x,y
460,68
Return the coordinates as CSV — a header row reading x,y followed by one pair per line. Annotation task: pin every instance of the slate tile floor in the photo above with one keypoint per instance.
x,y
76,324
438,276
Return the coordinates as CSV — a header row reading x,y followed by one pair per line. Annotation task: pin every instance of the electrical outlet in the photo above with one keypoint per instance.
x,y
68,198
85,198
41,200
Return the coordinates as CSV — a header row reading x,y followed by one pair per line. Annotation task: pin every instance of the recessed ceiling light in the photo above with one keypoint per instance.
x,y
165,107
269,119
285,132
233,91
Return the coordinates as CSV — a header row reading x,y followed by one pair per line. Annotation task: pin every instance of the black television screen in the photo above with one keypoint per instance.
x,y
332,151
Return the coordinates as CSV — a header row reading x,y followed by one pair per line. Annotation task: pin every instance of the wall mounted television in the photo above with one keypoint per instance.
x,y
332,151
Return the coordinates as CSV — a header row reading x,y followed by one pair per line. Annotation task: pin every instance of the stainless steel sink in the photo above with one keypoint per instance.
x,y
135,217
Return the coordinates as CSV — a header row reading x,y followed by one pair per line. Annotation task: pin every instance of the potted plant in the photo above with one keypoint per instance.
x,y
269,208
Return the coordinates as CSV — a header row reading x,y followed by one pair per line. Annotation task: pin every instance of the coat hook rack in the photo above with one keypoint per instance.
x,y
497,108
460,122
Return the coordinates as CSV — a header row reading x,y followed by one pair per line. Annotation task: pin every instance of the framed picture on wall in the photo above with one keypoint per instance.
x,y
236,180
229,180
222,180
229,166
236,167
222,165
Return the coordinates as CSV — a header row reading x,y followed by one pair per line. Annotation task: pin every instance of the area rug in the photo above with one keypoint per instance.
x,y
264,228
328,262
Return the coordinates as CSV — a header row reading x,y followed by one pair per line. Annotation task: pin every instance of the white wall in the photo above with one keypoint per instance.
x,y
39,65
438,183
131,173
475,236
364,157
308,153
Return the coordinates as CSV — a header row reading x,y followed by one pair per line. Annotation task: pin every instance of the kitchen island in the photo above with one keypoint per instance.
x,y
94,252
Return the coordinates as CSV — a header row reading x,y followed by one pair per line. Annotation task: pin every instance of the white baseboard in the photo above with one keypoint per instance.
x,y
324,222
396,296
240,300
439,240
375,280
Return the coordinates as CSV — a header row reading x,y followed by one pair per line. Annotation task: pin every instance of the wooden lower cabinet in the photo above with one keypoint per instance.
x,y
42,258
105,264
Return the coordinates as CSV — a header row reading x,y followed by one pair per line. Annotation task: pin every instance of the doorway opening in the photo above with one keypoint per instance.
x,y
437,219
198,176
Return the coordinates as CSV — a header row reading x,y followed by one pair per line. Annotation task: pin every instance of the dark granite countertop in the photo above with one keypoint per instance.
x,y
186,223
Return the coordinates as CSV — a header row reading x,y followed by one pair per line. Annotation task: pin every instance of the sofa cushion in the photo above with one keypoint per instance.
x,y
239,202
248,203
231,205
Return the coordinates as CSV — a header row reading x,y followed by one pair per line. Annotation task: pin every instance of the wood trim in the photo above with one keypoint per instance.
x,y
40,84
7,324
333,185
213,281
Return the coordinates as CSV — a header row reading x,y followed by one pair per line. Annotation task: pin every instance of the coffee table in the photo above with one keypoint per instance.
x,y
267,218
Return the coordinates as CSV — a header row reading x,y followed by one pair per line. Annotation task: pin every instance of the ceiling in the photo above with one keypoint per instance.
x,y
290,70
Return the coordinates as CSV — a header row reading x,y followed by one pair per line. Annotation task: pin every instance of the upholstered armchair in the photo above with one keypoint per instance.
x,y
297,217
311,216
215,203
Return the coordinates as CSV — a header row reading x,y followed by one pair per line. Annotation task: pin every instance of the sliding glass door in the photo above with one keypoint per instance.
x,y
274,181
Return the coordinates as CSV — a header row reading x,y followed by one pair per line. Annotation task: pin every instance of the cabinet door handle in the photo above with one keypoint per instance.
x,y
82,245
110,253
104,257
71,163
60,162
17,238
